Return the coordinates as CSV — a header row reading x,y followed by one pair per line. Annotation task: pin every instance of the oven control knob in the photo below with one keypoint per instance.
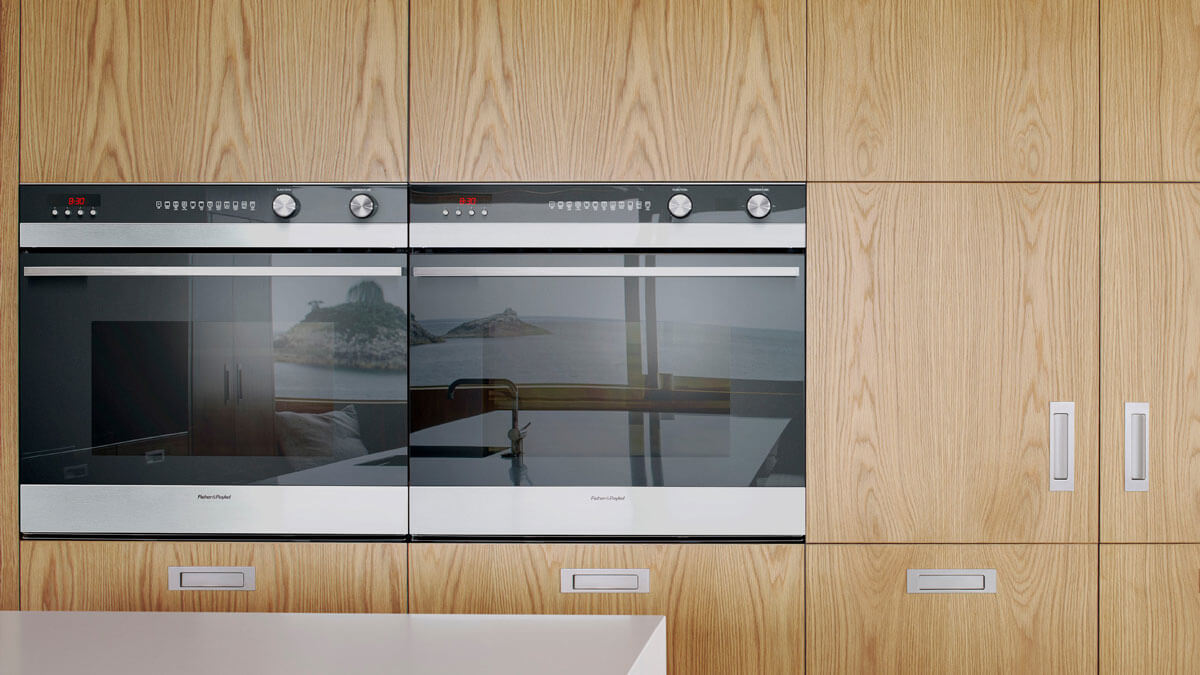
x,y
680,206
362,206
285,205
758,205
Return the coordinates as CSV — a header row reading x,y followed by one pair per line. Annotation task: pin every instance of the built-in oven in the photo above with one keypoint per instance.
x,y
213,359
607,360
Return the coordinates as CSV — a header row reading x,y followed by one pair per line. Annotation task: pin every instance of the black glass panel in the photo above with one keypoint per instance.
x,y
281,369
587,369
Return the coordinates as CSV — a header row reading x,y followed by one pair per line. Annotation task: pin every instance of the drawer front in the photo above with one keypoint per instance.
x,y
213,576
952,609
1149,608
730,608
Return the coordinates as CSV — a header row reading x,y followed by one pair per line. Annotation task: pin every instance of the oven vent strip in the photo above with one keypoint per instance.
x,y
606,272
127,271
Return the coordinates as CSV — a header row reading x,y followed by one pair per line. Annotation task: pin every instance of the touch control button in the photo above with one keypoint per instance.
x,y
285,205
758,205
680,206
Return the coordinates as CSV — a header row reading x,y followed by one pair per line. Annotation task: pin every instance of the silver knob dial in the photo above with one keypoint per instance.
x,y
362,206
758,205
680,206
285,205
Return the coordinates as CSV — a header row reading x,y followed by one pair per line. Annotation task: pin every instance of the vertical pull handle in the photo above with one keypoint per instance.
x,y
1137,447
1062,446
239,382
226,367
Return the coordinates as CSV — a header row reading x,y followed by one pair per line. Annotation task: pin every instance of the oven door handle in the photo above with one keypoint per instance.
x,y
83,271
790,272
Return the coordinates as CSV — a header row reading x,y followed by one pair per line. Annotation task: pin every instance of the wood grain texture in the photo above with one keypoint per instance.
x,y
1151,353
1042,619
730,608
290,577
946,319
214,90
603,90
953,90
1149,608
1149,91
9,84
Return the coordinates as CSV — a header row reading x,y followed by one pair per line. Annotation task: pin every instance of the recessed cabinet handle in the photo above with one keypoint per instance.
x,y
210,579
604,580
952,581
1062,446
1137,447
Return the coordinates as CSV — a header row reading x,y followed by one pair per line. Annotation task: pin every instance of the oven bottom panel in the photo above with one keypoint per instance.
x,y
607,511
214,510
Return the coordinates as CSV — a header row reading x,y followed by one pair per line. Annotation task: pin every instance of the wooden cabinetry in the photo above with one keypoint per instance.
x,y
596,90
945,319
1040,619
730,608
197,90
1151,354
1149,91
9,78
289,577
953,90
1149,608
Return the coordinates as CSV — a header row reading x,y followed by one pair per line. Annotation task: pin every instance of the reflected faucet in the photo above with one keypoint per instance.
x,y
516,435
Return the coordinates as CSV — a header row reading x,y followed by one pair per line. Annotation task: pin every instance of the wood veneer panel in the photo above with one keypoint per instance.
x,y
1151,353
290,577
1149,608
953,90
1042,619
9,84
214,90
730,608
946,318
607,90
1149,90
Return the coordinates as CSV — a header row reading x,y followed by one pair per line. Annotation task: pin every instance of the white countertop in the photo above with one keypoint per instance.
x,y
133,643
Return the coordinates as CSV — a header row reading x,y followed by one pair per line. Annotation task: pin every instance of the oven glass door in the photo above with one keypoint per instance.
x,y
213,369
681,370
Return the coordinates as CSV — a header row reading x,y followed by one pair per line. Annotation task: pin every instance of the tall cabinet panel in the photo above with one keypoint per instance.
x,y
1149,608
730,608
945,324
9,79
1150,396
204,90
602,90
953,90
952,609
1149,90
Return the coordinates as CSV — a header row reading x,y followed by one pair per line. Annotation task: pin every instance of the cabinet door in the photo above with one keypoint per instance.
x,y
9,77
953,90
603,90
253,362
1151,355
1149,92
1149,608
730,608
203,90
943,321
289,577
862,617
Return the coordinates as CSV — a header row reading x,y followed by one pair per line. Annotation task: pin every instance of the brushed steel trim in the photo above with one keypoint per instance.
x,y
606,272
606,511
214,271
682,235
214,235
179,509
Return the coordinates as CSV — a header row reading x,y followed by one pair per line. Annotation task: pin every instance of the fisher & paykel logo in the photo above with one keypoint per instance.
x,y
214,496
608,498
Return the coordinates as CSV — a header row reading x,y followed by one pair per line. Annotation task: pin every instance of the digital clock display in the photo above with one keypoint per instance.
x,y
75,200
470,200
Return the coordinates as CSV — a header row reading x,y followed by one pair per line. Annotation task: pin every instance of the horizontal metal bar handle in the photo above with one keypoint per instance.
x,y
214,271
952,581
792,272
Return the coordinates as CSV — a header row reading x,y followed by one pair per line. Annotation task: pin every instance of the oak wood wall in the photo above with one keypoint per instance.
x,y
10,20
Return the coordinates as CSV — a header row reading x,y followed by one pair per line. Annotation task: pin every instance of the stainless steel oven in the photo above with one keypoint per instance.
x,y
607,360
213,359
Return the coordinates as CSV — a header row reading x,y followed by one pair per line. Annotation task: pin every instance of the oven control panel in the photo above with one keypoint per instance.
x,y
599,203
213,203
